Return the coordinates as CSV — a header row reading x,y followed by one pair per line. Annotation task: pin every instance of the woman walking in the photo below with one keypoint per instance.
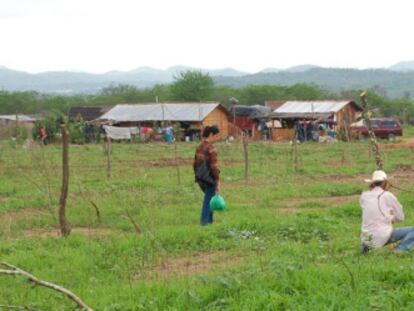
x,y
206,170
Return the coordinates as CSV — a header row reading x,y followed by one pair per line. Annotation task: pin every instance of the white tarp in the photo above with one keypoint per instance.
x,y
120,132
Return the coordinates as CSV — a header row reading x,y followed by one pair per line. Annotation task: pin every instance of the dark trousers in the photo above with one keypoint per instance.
x,y
206,214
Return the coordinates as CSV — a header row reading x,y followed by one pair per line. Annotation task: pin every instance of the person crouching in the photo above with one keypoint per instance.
x,y
380,210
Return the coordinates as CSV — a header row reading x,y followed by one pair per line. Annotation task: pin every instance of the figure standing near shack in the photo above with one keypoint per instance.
x,y
169,134
43,135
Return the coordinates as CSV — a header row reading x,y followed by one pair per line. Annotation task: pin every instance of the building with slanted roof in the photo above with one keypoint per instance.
x,y
338,113
9,122
194,115
88,113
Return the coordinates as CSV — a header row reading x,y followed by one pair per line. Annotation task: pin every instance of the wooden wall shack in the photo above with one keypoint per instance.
x,y
218,117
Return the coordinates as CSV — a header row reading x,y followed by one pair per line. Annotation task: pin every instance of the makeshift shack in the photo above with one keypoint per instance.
x,y
190,118
249,119
335,115
9,122
88,113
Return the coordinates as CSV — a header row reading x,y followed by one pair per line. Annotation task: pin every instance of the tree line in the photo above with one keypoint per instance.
x,y
197,86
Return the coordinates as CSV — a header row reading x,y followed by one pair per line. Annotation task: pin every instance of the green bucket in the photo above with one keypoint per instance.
x,y
217,203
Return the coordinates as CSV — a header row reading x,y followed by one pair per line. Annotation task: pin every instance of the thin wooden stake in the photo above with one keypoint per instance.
x,y
373,140
177,165
108,157
245,141
63,222
294,152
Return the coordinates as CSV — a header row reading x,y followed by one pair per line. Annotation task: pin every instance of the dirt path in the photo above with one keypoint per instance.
x,y
13,216
55,233
197,263
299,204
406,143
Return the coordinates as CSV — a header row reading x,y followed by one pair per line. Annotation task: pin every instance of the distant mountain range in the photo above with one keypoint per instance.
x,y
395,81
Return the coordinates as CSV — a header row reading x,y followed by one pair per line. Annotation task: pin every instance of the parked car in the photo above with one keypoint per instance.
x,y
383,128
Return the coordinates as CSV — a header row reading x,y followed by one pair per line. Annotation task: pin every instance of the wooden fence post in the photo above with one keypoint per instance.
x,y
63,222
245,141
108,157
177,164
373,139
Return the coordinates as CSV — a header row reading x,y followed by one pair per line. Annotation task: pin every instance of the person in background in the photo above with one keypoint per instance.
x,y
169,134
43,135
380,210
206,170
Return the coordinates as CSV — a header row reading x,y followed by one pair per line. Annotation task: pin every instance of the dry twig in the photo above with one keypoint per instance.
x,y
17,308
92,202
136,226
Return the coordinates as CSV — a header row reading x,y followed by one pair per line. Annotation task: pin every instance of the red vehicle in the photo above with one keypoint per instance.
x,y
383,128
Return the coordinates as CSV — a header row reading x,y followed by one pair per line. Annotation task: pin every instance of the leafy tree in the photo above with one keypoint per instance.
x,y
304,91
192,85
51,122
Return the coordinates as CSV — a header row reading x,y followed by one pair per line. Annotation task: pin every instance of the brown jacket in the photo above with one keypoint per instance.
x,y
207,151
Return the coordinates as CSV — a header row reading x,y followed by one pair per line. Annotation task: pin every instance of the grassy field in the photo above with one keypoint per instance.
x,y
289,239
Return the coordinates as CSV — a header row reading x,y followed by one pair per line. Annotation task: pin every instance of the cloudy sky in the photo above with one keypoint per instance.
x,y
103,35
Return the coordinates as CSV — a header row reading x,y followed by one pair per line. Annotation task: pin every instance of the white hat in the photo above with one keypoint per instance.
x,y
377,176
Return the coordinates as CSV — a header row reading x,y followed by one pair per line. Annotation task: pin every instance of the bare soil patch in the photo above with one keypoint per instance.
x,y
169,162
55,232
24,213
249,183
165,162
336,200
403,176
337,162
331,178
197,263
408,143
290,210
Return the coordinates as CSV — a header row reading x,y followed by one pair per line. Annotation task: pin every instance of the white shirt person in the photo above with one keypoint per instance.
x,y
380,210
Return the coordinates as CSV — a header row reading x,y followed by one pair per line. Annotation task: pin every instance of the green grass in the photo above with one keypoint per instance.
x,y
289,239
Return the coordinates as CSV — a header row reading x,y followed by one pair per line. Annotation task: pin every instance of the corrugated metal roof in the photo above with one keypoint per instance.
x,y
311,106
20,117
302,115
88,113
249,111
159,112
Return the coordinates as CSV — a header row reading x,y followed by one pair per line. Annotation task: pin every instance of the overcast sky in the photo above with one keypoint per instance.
x,y
103,35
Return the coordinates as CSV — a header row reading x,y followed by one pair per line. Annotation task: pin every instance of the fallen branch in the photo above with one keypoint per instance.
x,y
18,308
15,271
